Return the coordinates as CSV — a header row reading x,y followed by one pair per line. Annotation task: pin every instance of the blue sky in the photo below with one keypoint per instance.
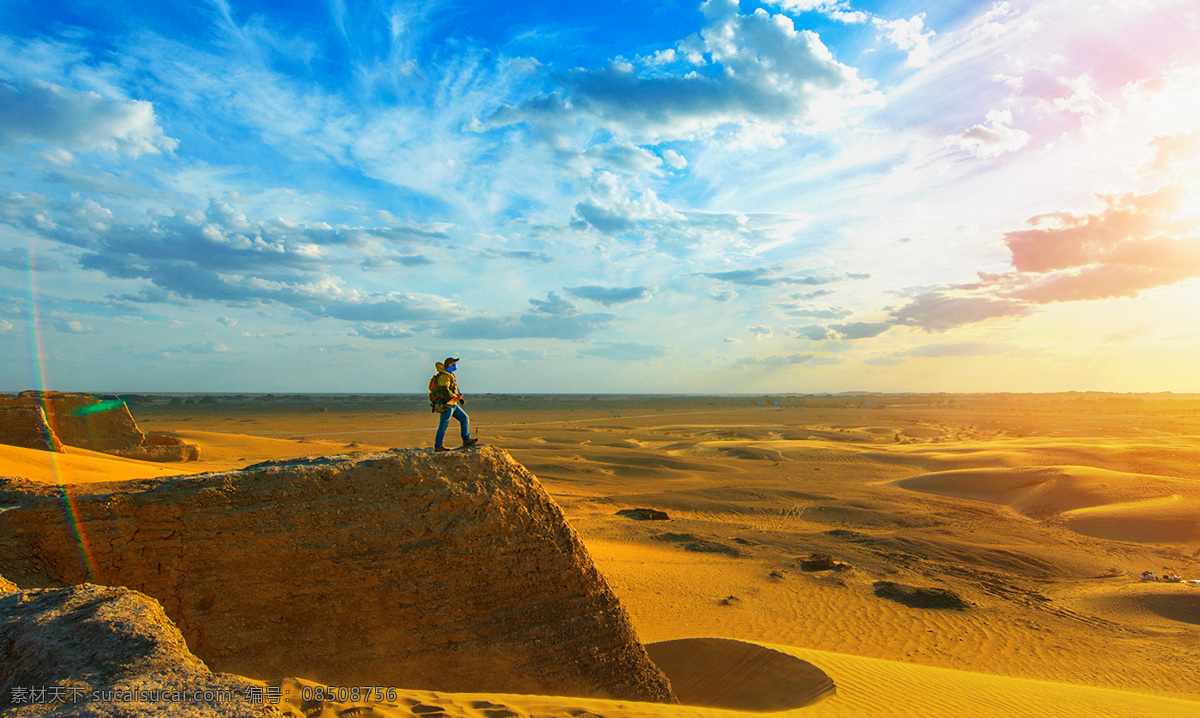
x,y
600,197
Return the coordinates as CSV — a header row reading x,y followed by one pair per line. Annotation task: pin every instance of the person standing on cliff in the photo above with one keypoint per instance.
x,y
445,399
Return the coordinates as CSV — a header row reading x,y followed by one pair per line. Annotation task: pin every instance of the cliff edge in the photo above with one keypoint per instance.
x,y
453,572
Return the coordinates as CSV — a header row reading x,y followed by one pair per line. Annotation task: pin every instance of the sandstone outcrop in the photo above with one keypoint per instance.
x,y
450,572
98,431
73,419
103,651
161,448
26,426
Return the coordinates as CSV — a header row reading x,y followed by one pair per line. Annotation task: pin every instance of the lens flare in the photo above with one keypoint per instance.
x,y
37,355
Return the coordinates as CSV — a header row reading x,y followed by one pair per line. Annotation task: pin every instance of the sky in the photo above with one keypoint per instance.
x,y
611,196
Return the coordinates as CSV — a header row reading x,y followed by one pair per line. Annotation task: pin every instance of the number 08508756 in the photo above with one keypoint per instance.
x,y
349,693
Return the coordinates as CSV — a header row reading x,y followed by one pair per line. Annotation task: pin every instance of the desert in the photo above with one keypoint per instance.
x,y
859,554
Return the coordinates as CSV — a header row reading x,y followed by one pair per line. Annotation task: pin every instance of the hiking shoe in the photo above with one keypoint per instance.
x,y
440,448
468,442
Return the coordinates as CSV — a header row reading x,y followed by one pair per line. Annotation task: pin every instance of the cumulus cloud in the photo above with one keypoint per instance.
x,y
1131,230
611,210
1134,243
1084,102
609,296
36,111
910,36
739,71
1175,151
219,254
995,138
5,326
674,159
761,333
837,332
72,326
939,311
554,304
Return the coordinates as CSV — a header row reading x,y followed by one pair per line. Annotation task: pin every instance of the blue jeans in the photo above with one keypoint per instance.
x,y
444,423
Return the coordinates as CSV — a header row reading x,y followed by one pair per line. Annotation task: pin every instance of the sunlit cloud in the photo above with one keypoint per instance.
x,y
67,120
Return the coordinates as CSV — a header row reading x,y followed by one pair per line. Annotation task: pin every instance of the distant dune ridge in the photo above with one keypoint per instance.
x,y
47,420
1096,502
451,572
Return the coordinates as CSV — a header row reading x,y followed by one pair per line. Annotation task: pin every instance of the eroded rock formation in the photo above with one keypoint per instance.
x,y
103,651
26,426
451,572
61,418
98,431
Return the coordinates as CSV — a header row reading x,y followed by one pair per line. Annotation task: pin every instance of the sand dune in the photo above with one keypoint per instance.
x,y
1170,520
737,675
1113,505
865,687
1040,519
78,466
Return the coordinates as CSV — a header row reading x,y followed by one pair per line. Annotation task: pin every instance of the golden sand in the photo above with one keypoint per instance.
x,y
1039,518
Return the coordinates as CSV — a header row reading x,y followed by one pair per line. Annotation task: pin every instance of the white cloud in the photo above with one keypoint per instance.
x,y
1085,103
994,138
611,210
36,111
5,326
910,36
754,70
761,333
72,326
674,159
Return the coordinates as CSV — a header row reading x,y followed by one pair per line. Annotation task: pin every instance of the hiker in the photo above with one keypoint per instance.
x,y
445,400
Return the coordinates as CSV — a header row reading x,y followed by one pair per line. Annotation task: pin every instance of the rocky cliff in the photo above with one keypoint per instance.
x,y
26,426
104,652
49,419
450,572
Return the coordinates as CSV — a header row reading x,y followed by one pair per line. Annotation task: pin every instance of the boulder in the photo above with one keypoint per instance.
x,y
106,652
918,596
644,514
26,426
451,572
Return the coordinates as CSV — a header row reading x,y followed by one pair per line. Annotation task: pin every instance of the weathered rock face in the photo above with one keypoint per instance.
x,y
55,418
104,651
451,572
26,426
100,431
161,448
